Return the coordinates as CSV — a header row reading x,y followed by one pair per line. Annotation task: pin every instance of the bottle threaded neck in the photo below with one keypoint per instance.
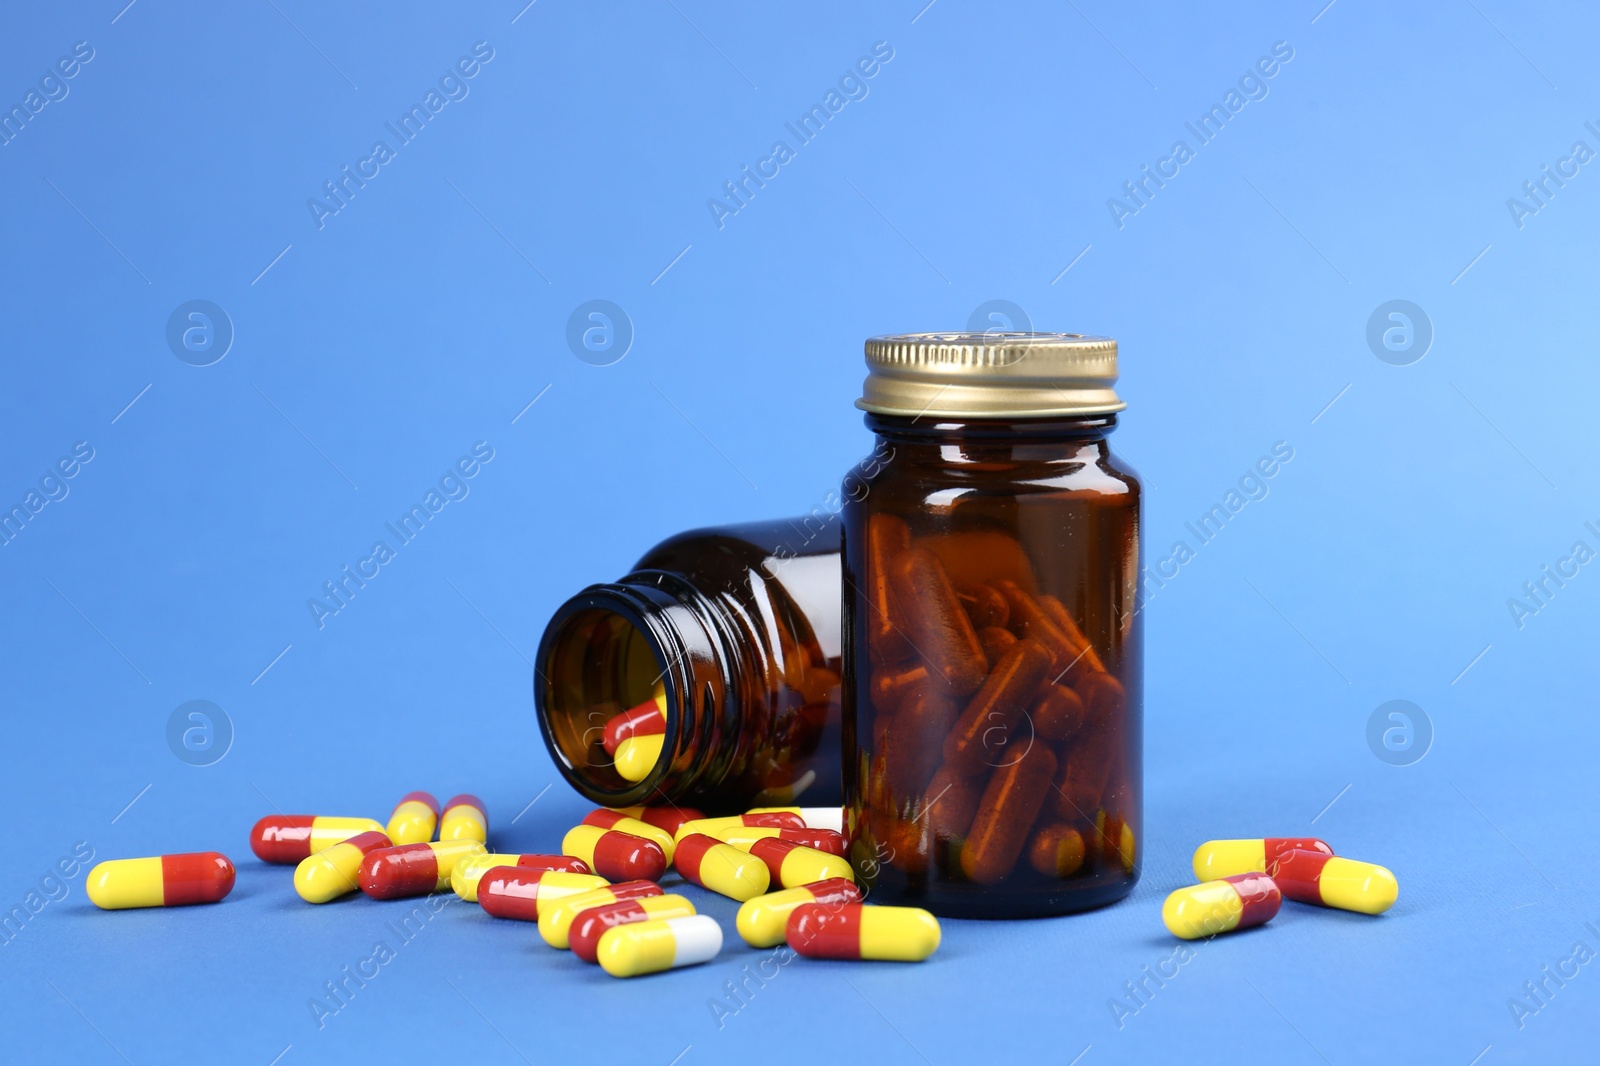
x,y
605,651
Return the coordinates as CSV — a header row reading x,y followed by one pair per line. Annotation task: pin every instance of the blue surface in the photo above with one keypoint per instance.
x,y
432,308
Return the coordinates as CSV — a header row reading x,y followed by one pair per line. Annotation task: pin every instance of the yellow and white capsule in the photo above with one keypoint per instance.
x,y
659,944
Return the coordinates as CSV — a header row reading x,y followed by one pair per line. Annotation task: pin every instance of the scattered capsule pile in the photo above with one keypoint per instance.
x,y
1244,882
600,898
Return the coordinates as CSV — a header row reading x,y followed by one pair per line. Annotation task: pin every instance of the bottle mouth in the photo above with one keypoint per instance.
x,y
602,656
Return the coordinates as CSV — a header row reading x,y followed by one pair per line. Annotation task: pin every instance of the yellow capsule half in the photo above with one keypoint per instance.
x,y
1363,887
464,818
123,883
636,757
898,934
803,866
415,818
469,870
1236,902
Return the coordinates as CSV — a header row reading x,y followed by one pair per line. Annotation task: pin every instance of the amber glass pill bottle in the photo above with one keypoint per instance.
x,y
993,642
738,629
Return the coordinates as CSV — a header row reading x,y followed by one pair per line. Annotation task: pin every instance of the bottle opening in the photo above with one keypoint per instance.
x,y
604,701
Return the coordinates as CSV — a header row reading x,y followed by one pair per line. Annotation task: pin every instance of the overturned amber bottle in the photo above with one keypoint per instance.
x,y
727,642
993,643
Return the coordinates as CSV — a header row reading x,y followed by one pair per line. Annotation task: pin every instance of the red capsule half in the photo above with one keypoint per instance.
x,y
645,720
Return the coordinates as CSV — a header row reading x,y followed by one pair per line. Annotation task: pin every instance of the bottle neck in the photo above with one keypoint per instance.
x,y
604,652
944,430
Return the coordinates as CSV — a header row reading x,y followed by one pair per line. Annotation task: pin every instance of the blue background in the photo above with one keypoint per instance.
x,y
432,309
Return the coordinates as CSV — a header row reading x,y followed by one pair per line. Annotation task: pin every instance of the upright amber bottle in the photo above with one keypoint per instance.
x,y
734,635
993,643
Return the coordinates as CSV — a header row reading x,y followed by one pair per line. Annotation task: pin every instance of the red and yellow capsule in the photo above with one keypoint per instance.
x,y
742,836
336,871
792,865
622,823
1224,858
1330,881
470,870
413,869
615,856
767,819
415,818
667,818
588,926
857,931
513,892
290,838
1237,901
464,818
1116,839
810,817
555,920
763,921
647,719
710,863
659,944
160,881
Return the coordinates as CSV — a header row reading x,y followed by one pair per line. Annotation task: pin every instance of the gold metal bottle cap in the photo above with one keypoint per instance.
x,y
990,375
